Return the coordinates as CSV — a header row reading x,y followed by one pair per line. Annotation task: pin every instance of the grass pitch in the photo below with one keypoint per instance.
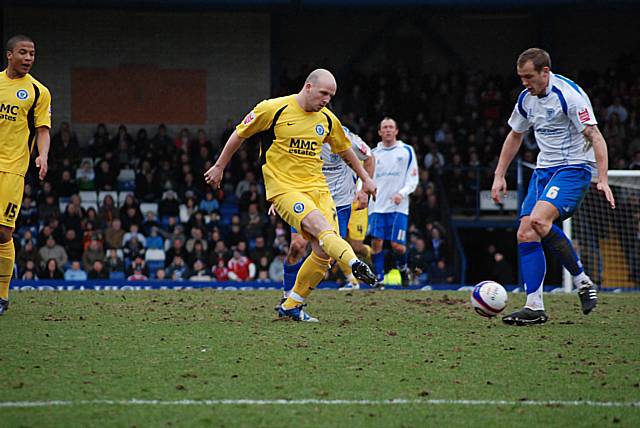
x,y
85,347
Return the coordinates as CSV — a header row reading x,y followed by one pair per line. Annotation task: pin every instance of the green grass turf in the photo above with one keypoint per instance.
x,y
206,344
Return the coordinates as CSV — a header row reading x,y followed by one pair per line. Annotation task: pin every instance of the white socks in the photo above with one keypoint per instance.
x,y
534,300
581,280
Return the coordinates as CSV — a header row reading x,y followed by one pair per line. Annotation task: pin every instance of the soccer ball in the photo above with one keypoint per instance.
x,y
489,298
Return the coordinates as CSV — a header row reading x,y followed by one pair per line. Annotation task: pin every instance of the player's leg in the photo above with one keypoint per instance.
x,y
377,227
311,273
344,214
11,189
399,246
361,249
377,258
334,246
293,207
322,225
7,258
539,223
533,268
314,215
293,261
533,265
565,191
358,224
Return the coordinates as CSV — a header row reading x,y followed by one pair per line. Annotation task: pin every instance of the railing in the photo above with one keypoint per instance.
x,y
473,198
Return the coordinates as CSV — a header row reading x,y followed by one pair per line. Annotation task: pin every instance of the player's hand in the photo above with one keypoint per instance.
x,y
43,164
369,187
397,198
362,200
213,176
608,194
499,187
272,210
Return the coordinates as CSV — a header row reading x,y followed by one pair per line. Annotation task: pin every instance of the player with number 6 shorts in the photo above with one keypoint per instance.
x,y
571,148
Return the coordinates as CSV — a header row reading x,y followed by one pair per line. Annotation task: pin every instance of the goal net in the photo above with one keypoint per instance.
x,y
607,240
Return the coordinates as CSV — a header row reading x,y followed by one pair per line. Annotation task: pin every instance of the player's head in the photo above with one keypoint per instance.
x,y
533,67
388,130
21,52
318,89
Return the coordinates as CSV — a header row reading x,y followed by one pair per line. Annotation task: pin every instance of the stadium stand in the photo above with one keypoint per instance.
x,y
456,137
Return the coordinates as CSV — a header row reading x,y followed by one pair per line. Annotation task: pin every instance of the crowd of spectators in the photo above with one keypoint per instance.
x,y
135,206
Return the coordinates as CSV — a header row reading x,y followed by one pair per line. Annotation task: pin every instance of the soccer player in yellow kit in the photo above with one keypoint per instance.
x,y
25,118
294,128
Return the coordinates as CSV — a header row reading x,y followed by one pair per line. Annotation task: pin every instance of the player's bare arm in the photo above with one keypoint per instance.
x,y
369,165
596,140
509,150
362,198
213,176
44,142
368,185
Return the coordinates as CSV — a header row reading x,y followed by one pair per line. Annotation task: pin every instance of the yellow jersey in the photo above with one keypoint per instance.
x,y
25,104
291,143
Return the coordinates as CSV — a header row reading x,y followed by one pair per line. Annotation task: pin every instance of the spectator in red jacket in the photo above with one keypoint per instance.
x,y
240,267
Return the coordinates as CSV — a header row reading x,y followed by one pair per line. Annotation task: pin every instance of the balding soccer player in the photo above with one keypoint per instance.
x,y
25,119
571,146
294,129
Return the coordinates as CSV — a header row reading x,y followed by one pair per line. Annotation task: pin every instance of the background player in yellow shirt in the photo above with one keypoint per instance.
x,y
294,129
25,118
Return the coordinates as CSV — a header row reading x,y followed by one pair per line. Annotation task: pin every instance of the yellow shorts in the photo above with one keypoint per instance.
x,y
11,190
294,206
358,223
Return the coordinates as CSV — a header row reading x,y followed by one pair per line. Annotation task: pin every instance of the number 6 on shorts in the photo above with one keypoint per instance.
x,y
552,193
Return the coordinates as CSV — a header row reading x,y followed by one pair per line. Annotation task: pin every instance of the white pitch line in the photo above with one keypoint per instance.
x,y
135,402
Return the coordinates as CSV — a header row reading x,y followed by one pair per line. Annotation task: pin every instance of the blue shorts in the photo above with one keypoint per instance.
x,y
389,226
562,186
344,213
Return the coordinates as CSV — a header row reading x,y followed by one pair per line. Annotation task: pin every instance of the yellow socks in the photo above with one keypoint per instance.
x,y
310,274
336,247
313,269
7,257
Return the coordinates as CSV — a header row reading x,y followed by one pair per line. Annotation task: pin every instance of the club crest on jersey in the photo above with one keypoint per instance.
x,y
22,94
320,130
249,118
550,112
298,207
